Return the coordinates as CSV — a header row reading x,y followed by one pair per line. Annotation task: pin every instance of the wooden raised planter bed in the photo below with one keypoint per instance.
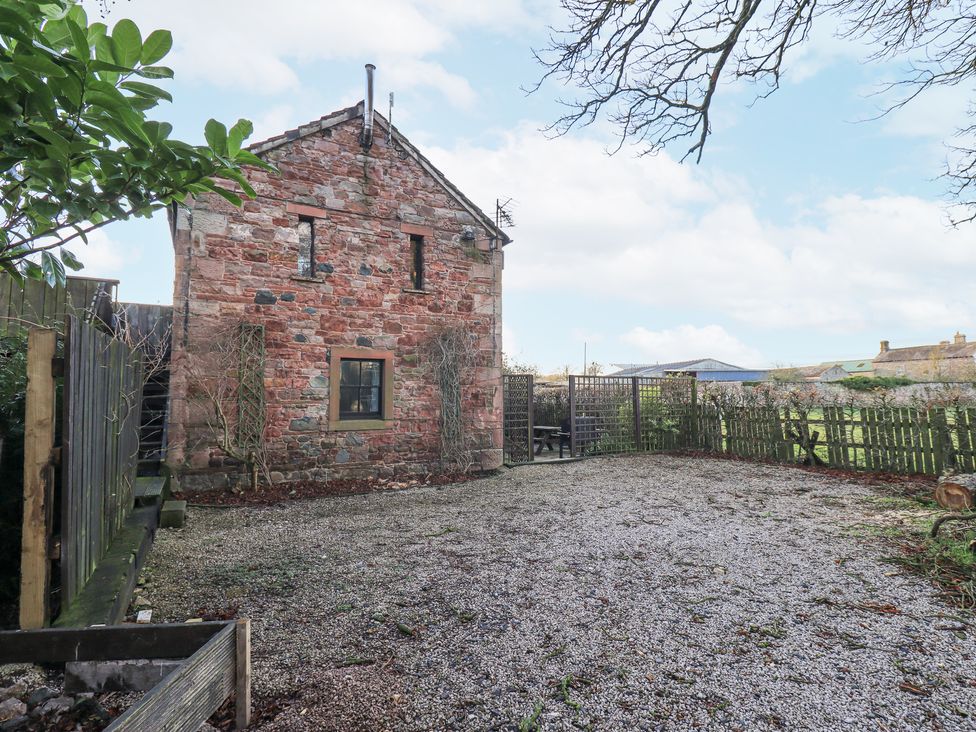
x,y
217,663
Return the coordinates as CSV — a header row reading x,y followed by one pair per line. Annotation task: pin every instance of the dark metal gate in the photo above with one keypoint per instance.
x,y
517,391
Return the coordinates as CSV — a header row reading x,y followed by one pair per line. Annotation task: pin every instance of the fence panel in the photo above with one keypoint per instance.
x,y
517,397
102,397
36,303
882,439
604,420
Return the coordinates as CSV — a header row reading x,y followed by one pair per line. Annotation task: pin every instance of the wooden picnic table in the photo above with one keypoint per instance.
x,y
542,435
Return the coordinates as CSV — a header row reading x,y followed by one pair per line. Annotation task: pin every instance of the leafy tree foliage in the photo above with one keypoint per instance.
x,y
77,149
654,68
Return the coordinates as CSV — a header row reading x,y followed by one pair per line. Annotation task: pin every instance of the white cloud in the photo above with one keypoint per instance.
x,y
649,232
937,113
104,257
258,47
685,342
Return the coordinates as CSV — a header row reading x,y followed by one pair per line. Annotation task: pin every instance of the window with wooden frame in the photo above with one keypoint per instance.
x,y
416,262
306,246
360,389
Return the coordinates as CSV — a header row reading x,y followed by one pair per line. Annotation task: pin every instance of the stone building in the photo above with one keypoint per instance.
x,y
945,361
353,257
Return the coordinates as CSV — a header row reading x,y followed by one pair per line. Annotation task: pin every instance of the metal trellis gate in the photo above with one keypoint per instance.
x,y
517,391
619,414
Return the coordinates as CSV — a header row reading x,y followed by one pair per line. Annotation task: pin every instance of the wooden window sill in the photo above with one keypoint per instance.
x,y
415,292
359,425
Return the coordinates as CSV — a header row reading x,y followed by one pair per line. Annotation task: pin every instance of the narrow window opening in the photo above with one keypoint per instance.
x,y
306,246
416,262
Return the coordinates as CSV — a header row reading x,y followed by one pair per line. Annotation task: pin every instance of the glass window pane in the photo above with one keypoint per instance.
x,y
348,400
371,399
372,373
349,375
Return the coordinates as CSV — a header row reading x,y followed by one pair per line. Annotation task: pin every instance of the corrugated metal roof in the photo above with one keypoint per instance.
x,y
650,369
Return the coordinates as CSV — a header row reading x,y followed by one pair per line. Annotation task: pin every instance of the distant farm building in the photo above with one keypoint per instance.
x,y
703,369
824,372
945,360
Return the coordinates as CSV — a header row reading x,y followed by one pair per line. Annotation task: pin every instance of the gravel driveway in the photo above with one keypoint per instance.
x,y
647,592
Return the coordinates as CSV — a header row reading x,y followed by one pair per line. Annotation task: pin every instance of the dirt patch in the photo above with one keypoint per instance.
x,y
268,495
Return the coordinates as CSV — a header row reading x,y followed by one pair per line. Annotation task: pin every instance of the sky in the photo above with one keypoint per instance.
x,y
810,231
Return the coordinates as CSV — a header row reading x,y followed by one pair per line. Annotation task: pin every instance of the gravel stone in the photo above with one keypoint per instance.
x,y
10,708
581,594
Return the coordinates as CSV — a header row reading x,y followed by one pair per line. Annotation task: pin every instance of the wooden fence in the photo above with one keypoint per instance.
x,y
100,448
34,303
217,664
888,439
622,414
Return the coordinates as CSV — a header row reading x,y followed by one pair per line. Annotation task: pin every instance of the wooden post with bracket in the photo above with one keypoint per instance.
x,y
35,560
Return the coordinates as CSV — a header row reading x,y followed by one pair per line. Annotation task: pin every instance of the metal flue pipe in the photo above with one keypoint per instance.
x,y
368,109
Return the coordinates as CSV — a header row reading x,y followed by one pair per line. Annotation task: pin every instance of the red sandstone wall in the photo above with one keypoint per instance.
x,y
234,264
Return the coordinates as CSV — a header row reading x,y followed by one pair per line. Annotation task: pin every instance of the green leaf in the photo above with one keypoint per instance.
x,y
80,40
241,130
157,45
31,270
127,42
246,157
51,137
105,50
70,260
216,135
100,65
155,72
146,90
52,269
40,63
228,195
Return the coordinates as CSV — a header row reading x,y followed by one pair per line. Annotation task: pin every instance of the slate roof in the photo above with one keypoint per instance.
x,y
809,372
926,353
379,121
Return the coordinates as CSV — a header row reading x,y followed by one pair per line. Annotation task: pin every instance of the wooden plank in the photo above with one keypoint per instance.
x,y
39,423
866,438
68,513
242,678
108,643
938,448
965,453
186,698
971,423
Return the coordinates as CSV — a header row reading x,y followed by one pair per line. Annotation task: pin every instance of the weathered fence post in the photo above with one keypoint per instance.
x,y
572,416
35,563
242,701
635,394
694,414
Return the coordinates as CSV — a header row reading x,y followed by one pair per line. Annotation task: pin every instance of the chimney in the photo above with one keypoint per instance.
x,y
960,339
943,343
885,346
368,109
